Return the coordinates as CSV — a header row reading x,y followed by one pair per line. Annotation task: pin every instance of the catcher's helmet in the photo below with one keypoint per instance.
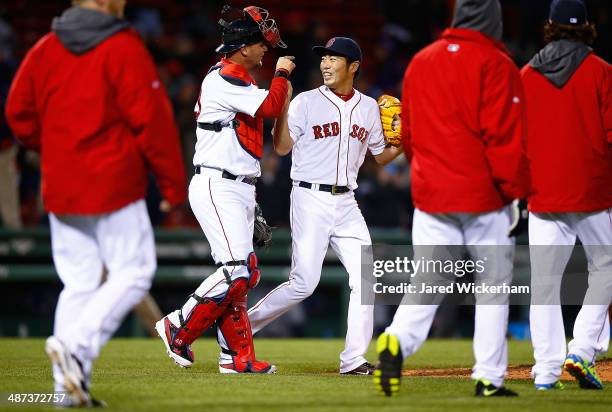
x,y
254,26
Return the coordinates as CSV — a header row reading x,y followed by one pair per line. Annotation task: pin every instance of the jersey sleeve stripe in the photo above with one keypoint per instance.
x,y
234,80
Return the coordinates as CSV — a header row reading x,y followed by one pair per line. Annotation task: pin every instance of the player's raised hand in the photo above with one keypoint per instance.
x,y
286,63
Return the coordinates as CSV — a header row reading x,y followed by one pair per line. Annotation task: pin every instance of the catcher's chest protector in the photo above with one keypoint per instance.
x,y
250,134
250,129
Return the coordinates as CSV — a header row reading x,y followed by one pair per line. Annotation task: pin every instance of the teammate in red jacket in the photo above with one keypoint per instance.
x,y
88,97
569,144
462,124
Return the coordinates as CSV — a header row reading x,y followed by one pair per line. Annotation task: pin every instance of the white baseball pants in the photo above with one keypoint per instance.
x,y
88,312
411,323
319,219
592,327
225,209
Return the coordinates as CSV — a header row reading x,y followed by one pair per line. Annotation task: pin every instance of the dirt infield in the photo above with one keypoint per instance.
x,y
604,370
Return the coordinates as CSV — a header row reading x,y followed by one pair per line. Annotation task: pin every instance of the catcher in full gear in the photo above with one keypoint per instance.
x,y
229,115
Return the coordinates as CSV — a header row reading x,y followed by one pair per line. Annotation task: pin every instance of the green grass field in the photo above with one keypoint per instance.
x,y
136,374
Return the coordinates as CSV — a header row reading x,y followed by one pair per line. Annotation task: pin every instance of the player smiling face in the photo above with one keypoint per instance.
x,y
337,73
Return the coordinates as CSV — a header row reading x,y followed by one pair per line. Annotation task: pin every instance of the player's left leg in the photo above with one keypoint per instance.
x,y
487,241
551,241
592,326
415,314
312,215
80,270
236,338
349,239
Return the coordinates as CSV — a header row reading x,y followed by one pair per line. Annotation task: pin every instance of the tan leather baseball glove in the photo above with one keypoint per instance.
x,y
390,111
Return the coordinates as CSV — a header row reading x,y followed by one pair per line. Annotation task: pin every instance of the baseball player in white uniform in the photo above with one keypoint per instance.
x,y
328,129
229,112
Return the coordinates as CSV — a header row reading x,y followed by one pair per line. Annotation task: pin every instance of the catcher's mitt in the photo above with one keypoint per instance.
x,y
390,110
262,232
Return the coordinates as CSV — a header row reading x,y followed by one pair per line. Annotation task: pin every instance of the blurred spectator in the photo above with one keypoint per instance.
x,y
9,199
182,37
383,194
273,189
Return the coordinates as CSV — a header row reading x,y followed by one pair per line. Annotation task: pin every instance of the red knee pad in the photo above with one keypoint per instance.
x,y
207,311
254,273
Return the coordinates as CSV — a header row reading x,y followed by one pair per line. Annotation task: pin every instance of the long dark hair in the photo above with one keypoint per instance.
x,y
585,33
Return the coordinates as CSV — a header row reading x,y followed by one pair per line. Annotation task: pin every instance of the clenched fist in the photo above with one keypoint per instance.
x,y
285,63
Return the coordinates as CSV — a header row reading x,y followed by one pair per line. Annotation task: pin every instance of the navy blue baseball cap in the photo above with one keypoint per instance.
x,y
340,46
569,12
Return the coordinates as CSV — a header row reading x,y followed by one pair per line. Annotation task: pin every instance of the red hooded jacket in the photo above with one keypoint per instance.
x,y
101,120
463,125
569,141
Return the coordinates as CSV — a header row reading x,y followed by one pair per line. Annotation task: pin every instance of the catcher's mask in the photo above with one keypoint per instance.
x,y
253,26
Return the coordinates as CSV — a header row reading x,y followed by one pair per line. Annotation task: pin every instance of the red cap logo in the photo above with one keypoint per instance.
x,y
330,42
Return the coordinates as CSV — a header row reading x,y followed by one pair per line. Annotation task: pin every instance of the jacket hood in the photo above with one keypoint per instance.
x,y
80,29
559,60
484,16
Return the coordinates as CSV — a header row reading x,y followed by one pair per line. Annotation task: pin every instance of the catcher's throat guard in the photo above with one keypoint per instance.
x,y
254,272
267,26
253,26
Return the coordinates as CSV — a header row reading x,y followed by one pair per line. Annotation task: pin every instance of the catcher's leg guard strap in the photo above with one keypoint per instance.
x,y
232,263
206,312
254,273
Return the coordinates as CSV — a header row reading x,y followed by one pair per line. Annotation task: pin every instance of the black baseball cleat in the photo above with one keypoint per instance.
x,y
388,372
98,403
486,389
365,368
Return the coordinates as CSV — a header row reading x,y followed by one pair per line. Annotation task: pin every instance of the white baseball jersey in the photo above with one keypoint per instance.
x,y
221,97
331,136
